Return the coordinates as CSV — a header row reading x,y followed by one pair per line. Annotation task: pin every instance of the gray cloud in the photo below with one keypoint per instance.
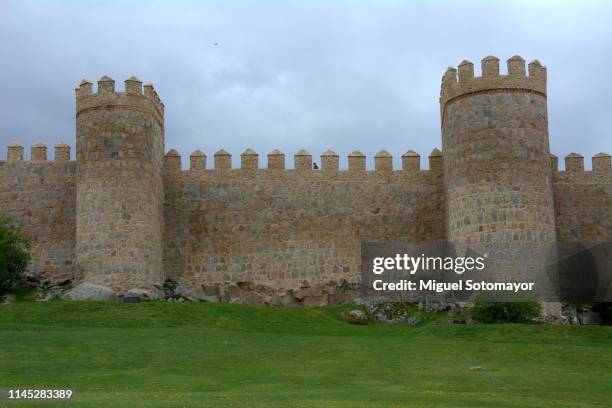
x,y
317,75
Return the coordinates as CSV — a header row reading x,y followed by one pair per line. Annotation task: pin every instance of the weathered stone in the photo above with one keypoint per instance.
x,y
52,293
144,294
413,321
90,291
211,298
355,316
7,299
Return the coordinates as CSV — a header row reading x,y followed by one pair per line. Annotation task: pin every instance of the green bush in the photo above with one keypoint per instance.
x,y
506,312
14,255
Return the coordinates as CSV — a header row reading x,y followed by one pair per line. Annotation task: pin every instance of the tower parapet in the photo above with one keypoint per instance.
x,y
107,97
465,83
120,145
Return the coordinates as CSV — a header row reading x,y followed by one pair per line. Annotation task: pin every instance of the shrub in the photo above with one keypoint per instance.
x,y
506,312
14,255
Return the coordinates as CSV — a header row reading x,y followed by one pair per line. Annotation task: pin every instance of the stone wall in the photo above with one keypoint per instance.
x,y
583,199
292,228
125,216
40,196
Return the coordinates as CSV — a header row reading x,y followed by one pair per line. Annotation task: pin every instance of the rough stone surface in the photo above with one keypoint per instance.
x,y
7,299
355,317
144,294
413,321
119,204
90,291
126,217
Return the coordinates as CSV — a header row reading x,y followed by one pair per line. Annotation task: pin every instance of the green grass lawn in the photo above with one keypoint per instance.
x,y
208,355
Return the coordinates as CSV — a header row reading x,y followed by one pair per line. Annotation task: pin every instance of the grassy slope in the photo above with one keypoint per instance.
x,y
207,355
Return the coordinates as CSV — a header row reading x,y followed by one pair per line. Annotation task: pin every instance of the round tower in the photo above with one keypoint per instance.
x,y
496,156
496,153
120,145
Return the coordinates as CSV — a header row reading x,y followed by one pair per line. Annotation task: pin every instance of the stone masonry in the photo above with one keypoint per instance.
x,y
127,217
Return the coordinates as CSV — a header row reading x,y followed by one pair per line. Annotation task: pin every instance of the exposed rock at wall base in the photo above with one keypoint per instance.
x,y
145,294
7,299
382,309
355,316
89,291
253,293
53,293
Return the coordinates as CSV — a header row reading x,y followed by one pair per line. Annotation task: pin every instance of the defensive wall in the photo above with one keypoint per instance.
x,y
126,216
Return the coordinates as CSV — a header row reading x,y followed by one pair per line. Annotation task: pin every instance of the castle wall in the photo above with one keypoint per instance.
x,y
583,200
280,228
41,197
125,216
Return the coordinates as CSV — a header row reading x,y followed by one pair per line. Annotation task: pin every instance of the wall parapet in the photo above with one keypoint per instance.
x,y
601,164
38,152
460,82
302,161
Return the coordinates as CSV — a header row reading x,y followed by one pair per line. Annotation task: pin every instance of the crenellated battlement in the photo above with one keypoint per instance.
x,y
601,165
302,161
460,82
135,97
38,152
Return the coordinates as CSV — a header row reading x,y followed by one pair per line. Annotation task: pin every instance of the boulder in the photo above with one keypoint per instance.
x,y
54,290
389,312
312,296
413,321
89,291
438,306
355,316
6,299
383,309
145,294
53,293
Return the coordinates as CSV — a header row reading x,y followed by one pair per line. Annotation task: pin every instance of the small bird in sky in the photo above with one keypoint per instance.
x,y
216,44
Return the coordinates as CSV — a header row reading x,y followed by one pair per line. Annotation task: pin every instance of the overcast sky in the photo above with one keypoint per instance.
x,y
323,75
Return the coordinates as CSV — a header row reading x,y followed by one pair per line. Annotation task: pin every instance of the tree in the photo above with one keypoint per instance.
x,y
14,255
